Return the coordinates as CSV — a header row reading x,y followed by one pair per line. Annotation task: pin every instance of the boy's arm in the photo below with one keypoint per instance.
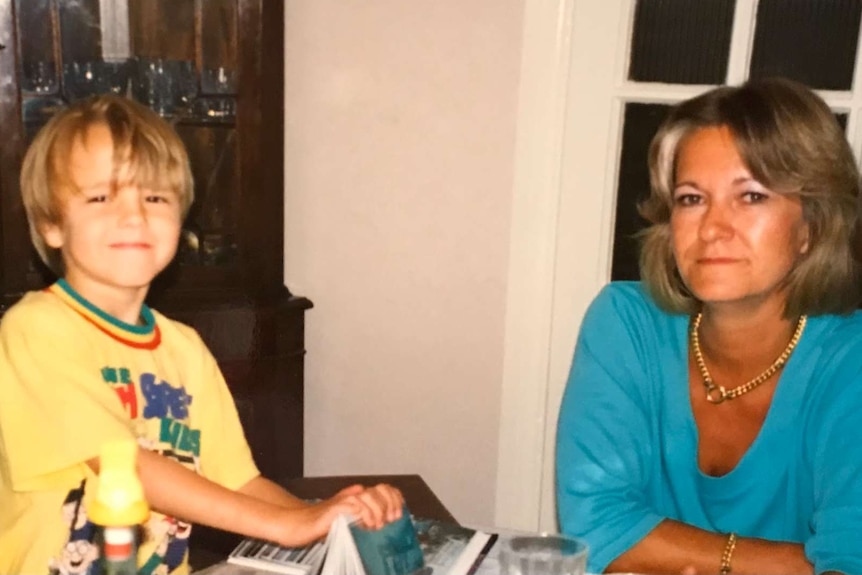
x,y
262,488
175,490
380,504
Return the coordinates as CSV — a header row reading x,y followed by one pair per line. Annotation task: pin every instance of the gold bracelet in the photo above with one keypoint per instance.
x,y
727,554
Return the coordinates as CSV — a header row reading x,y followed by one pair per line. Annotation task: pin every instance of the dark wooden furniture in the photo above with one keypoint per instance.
x,y
210,546
213,68
421,501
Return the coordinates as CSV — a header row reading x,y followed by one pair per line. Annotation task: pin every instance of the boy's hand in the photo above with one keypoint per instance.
x,y
373,507
376,506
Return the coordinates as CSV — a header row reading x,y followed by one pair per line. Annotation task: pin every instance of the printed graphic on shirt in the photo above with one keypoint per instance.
x,y
162,411
80,553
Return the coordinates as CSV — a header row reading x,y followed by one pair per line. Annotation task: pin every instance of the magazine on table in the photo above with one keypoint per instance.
x,y
406,546
264,556
451,549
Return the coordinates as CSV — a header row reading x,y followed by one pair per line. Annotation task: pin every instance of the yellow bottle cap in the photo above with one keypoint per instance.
x,y
120,495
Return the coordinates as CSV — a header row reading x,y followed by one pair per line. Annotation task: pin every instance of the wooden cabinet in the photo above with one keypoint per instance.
x,y
214,69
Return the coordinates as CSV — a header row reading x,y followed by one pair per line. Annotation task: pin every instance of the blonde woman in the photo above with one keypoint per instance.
x,y
709,421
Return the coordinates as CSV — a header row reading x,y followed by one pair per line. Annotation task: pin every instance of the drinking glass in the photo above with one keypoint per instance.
x,y
166,86
218,80
85,78
543,555
39,77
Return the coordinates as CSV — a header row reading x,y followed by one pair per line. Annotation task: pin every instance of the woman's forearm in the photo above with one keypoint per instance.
x,y
674,547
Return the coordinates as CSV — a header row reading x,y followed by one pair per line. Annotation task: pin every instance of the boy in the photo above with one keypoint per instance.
x,y
106,185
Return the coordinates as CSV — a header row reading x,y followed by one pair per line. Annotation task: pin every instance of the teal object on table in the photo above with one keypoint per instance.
x,y
392,550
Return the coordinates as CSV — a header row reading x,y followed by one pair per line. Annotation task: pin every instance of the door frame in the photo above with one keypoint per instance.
x,y
570,120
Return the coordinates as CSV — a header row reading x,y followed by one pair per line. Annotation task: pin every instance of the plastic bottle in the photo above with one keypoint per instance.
x,y
119,507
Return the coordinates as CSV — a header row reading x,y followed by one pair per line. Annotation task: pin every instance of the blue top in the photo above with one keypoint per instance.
x,y
627,440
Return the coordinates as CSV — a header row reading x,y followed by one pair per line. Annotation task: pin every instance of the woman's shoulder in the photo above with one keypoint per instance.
x,y
628,300
632,290
832,362
838,335
830,354
847,323
838,329
624,309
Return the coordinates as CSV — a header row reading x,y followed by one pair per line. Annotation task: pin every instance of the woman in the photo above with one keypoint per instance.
x,y
708,424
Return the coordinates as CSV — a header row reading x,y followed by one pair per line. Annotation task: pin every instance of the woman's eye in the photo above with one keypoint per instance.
x,y
97,199
157,199
754,197
687,199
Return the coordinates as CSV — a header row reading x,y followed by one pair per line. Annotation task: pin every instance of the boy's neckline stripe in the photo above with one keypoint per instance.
x,y
146,336
146,313
152,344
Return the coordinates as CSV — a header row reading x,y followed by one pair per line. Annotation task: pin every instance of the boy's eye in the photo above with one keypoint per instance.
x,y
97,199
158,198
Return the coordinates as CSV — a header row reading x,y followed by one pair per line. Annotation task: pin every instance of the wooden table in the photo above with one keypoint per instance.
x,y
420,499
209,546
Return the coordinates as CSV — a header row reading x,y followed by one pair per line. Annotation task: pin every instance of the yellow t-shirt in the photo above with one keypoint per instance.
x,y
73,377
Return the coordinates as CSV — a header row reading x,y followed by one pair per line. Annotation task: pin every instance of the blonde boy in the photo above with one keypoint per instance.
x,y
106,185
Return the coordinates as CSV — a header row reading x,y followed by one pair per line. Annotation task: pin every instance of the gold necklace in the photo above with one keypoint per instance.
x,y
717,393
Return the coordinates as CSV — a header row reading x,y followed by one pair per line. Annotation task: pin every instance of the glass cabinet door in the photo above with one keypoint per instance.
x,y
198,64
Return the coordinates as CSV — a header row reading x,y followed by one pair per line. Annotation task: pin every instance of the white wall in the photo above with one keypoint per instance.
x,y
400,135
